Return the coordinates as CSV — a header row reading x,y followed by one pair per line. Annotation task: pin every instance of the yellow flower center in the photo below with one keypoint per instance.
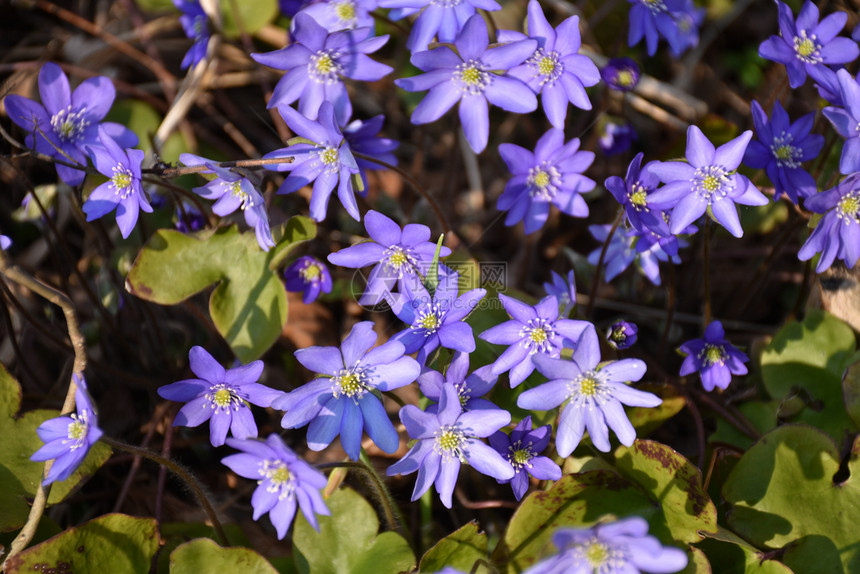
x,y
546,65
398,259
329,156
541,179
471,75
784,152
345,11
639,197
222,397
325,64
279,475
588,386
710,183
350,383
310,272
449,440
713,354
849,206
429,322
77,430
805,47
522,456
624,78
538,335
597,554
121,180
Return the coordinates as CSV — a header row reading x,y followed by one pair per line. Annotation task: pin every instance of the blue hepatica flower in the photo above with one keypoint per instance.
x,y
621,74
714,358
593,396
195,23
470,387
327,161
620,547
563,289
632,193
220,396
316,64
470,76
361,137
309,276
122,191
552,174
437,320
68,439
531,331
653,18
708,182
335,15
446,439
399,256
284,481
805,45
232,191
5,242
781,148
846,121
556,70
646,248
342,401
522,449
66,124
616,138
837,234
440,18
622,334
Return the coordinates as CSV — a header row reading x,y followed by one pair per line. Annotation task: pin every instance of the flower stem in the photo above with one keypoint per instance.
x,y
707,280
182,473
599,269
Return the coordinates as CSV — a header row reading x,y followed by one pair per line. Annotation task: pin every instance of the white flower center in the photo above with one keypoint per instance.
x,y
223,398
77,431
324,67
399,260
589,387
520,455
472,77
807,48
712,183
311,272
448,442
121,181
546,66
786,154
713,355
848,207
69,125
345,12
429,320
353,383
235,189
543,181
638,197
279,478
537,336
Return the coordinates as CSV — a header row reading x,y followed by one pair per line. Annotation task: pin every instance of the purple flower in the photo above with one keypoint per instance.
x,y
342,401
556,69
335,15
563,289
445,439
522,449
632,193
439,18
469,76
316,63
470,387
68,439
195,23
309,276
620,547
188,218
714,358
687,22
552,174
616,138
5,242
846,122
437,320
622,335
232,191
361,137
324,159
398,255
708,182
838,232
621,74
67,122
646,248
221,395
122,191
284,481
781,148
531,331
804,45
651,19
594,396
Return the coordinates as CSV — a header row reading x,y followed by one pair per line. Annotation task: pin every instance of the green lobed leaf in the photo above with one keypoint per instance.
x,y
783,493
647,420
698,563
462,550
730,554
240,16
348,541
803,366
851,392
204,556
249,305
174,534
109,543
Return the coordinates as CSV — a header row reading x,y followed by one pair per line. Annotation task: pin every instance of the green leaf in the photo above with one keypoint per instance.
x,y
203,556
19,476
805,362
851,392
431,280
144,120
461,550
251,15
174,534
249,305
730,554
647,420
698,563
348,541
782,492
109,543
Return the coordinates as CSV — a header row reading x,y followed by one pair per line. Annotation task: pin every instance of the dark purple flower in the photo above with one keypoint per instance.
x,y
715,359
646,248
316,64
66,125
361,137
309,276
522,449
805,45
552,174
651,19
620,547
399,256
622,334
530,332
632,193
445,439
221,395
563,289
342,400
335,15
594,396
708,181
441,18
284,481
68,439
122,191
470,387
324,158
846,122
838,231
616,138
470,76
781,148
621,74
195,23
